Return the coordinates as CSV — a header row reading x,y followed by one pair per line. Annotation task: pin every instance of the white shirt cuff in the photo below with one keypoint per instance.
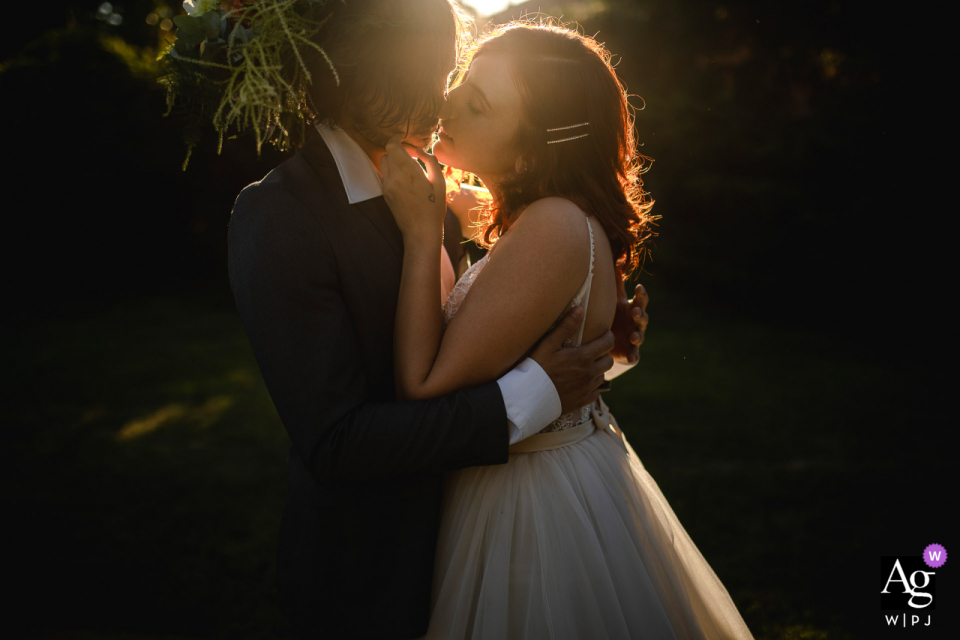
x,y
531,400
617,369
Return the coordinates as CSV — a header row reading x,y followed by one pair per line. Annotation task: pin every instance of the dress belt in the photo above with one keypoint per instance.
x,y
601,419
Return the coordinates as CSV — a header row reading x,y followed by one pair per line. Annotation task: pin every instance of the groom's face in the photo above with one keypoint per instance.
x,y
419,131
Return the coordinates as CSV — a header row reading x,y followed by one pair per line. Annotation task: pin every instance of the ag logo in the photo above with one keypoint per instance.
x,y
907,584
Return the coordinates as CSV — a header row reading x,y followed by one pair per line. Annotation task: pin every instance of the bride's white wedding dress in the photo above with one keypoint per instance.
x,y
570,539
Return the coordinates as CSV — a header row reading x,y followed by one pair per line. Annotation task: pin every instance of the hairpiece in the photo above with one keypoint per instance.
x,y
572,126
565,139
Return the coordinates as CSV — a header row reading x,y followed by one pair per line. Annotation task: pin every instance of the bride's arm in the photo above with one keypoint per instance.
x,y
521,292
418,206
630,319
419,321
525,286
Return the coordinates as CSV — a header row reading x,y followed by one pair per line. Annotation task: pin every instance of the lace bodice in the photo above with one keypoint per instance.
x,y
582,297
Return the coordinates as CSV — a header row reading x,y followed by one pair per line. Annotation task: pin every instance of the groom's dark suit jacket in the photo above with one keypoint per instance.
x,y
316,282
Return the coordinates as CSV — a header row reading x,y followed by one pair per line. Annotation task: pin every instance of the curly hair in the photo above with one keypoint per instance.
x,y
565,78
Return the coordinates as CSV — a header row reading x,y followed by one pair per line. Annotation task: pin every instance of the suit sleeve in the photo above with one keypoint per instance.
x,y
287,288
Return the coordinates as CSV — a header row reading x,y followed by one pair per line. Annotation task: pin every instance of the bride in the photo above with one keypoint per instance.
x,y
571,538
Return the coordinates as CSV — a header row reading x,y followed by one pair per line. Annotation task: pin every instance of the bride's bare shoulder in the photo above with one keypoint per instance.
x,y
555,219
555,206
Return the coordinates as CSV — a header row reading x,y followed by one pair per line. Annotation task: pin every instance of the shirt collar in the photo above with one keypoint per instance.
x,y
360,177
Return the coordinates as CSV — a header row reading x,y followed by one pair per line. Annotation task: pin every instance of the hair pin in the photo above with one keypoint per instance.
x,y
565,139
573,126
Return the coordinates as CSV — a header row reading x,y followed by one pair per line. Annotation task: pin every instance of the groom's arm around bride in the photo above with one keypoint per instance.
x,y
343,424
316,281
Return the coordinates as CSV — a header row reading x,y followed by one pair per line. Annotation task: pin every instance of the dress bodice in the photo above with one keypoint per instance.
x,y
582,297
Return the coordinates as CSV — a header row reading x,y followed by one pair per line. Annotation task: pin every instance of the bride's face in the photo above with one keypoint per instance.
x,y
479,119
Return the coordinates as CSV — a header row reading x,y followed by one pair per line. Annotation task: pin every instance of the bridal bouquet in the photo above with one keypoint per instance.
x,y
244,64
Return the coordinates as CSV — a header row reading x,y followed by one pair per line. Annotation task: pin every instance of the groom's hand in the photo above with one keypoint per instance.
x,y
576,372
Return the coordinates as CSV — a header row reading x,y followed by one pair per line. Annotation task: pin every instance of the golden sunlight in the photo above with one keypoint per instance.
x,y
204,415
488,7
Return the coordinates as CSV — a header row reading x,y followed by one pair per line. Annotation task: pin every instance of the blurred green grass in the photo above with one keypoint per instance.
x,y
148,465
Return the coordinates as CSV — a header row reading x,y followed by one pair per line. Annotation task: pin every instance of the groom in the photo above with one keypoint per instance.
x,y
315,260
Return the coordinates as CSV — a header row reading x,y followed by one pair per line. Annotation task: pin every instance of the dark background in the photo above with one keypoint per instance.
x,y
791,401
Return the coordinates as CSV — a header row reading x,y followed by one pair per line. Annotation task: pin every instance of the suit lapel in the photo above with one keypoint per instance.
x,y
374,210
377,211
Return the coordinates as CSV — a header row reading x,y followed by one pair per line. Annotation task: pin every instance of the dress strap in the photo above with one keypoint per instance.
x,y
592,252
583,295
584,291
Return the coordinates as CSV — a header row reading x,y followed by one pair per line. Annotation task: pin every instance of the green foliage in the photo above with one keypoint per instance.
x,y
210,24
173,552
189,29
140,64
223,74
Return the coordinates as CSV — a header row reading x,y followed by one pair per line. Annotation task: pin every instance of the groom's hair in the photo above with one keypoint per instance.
x,y
392,60
566,79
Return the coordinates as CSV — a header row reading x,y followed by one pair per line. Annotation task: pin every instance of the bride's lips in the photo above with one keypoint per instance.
x,y
443,135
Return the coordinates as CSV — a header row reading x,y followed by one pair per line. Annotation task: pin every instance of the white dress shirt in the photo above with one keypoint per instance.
x,y
528,393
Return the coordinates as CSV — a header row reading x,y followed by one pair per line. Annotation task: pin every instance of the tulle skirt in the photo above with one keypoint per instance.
x,y
571,539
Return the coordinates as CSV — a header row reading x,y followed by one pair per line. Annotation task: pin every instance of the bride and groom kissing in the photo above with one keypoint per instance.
x,y
454,472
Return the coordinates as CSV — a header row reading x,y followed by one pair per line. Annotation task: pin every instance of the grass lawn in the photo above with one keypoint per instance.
x,y
148,467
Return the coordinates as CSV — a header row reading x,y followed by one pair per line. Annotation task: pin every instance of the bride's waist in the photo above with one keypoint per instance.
x,y
574,429
571,419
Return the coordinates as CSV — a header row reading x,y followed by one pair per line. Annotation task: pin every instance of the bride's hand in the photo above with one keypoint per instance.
x,y
629,323
416,200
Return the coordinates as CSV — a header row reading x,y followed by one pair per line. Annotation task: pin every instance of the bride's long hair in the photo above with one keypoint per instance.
x,y
565,78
